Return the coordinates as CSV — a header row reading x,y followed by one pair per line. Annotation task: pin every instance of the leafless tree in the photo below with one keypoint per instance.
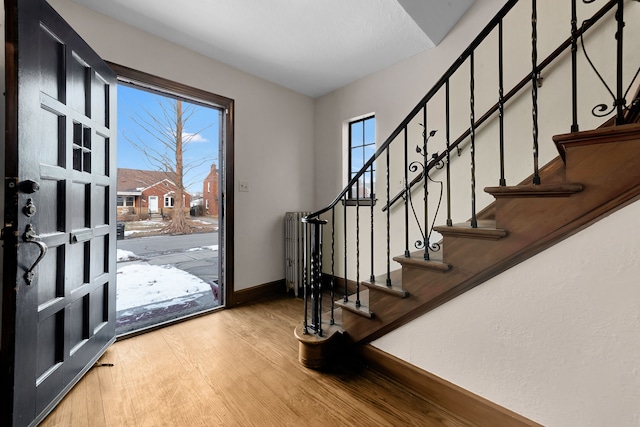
x,y
165,148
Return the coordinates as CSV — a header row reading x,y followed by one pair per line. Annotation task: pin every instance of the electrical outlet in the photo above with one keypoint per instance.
x,y
243,186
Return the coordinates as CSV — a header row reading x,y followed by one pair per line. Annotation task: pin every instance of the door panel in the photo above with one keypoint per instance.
x,y
153,204
60,192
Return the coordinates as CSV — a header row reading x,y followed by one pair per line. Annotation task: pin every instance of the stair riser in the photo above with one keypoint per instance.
x,y
546,215
472,255
592,165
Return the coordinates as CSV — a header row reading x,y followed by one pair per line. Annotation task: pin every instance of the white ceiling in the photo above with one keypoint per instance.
x,y
310,46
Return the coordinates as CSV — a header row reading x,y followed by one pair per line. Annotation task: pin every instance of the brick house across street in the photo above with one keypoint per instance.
x,y
142,194
210,192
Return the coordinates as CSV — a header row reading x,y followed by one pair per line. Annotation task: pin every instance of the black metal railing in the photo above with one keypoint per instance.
x,y
435,160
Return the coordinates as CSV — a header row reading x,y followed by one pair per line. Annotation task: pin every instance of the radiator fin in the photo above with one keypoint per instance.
x,y
294,236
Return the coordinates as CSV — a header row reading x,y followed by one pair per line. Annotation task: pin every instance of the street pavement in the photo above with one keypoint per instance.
x,y
185,252
175,250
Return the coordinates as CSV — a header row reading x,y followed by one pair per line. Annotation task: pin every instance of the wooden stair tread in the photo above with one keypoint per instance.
x,y
542,190
416,259
351,305
486,229
601,135
394,288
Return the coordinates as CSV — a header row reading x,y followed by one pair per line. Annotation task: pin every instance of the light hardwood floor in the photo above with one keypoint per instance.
x,y
235,367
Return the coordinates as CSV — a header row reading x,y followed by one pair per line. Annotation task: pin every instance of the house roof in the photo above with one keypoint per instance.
x,y
134,180
213,173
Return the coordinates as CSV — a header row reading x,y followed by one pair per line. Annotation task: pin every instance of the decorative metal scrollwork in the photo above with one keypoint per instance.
x,y
603,110
422,167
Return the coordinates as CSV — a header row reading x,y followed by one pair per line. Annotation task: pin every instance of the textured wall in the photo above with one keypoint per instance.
x,y
554,338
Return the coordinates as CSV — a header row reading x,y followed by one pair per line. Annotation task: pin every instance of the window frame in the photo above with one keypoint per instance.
x,y
352,199
123,201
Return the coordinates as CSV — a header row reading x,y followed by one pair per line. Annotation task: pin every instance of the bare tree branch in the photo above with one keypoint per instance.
x,y
165,148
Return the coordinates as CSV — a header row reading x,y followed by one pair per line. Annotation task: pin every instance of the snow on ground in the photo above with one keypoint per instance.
x,y
144,226
142,284
130,232
123,255
204,248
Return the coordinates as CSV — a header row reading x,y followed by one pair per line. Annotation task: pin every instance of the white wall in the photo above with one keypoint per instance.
x,y
273,134
554,338
390,94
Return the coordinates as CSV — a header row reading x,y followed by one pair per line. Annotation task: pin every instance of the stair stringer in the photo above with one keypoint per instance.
x,y
606,162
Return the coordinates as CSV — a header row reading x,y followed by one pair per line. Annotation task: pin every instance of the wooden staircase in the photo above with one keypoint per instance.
x,y
597,172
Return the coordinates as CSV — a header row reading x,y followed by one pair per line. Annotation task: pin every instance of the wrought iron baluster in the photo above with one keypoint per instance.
x,y
620,101
333,272
316,274
388,223
534,88
425,172
358,243
305,283
407,189
448,136
503,181
472,134
372,196
344,213
574,66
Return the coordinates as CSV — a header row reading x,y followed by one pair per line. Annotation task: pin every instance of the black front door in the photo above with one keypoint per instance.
x,y
58,302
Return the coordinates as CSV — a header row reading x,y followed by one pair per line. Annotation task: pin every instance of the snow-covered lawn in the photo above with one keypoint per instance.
x,y
130,232
142,284
146,226
122,255
204,248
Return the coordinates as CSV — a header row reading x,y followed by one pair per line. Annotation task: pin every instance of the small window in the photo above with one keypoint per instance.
x,y
362,145
208,187
168,202
206,204
125,201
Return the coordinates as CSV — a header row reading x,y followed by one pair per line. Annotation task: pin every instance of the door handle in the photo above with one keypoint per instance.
x,y
30,236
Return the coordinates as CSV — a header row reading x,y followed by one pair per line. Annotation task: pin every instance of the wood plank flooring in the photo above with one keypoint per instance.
x,y
235,367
